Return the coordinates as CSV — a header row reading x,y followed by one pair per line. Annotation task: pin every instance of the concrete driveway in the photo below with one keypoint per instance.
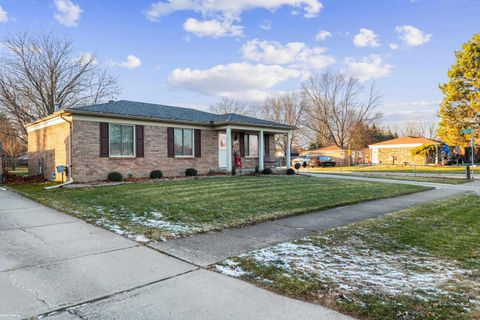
x,y
60,267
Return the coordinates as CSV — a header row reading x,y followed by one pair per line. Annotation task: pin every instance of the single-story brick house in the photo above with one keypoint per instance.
x,y
399,151
339,154
135,138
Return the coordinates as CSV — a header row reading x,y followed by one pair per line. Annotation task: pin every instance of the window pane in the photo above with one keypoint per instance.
x,y
178,142
252,145
127,141
187,142
115,136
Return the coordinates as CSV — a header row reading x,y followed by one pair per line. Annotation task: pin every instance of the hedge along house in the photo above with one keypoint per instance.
x,y
399,151
135,138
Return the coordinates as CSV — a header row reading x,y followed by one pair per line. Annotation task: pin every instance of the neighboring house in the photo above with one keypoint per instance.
x,y
339,154
135,138
399,151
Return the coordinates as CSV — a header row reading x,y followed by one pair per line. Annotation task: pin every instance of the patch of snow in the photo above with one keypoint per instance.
x,y
355,267
141,238
230,268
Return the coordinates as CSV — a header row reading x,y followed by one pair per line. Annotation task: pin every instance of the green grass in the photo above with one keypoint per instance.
x,y
445,233
379,175
168,209
389,168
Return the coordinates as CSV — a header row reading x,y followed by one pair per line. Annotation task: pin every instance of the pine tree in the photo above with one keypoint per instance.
x,y
462,94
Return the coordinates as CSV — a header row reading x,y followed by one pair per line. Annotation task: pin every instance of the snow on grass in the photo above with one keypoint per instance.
x,y
354,267
122,224
230,268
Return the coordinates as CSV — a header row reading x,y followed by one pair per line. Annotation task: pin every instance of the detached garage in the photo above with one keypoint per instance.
x,y
399,151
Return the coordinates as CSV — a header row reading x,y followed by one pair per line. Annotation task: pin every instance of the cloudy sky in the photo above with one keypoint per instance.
x,y
191,52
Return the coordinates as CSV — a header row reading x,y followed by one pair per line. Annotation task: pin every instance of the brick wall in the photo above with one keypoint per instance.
x,y
400,155
48,148
89,166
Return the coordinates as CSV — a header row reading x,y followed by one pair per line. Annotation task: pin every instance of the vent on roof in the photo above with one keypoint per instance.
x,y
110,101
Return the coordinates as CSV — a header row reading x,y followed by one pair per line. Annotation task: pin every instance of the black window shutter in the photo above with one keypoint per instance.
x,y
170,143
267,144
139,141
242,144
104,139
198,143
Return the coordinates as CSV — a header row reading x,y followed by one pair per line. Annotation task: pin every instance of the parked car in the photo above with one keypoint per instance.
x,y
321,161
303,160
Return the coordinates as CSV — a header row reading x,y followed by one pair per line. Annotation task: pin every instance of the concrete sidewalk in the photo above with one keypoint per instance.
x,y
473,186
205,249
50,261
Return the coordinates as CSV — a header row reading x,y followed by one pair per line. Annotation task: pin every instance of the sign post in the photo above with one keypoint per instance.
x,y
472,145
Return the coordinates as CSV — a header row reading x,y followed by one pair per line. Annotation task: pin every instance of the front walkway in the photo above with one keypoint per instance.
x,y
50,261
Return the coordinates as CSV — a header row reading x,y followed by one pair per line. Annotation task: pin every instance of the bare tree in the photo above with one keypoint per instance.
x,y
426,129
335,107
39,73
12,146
288,108
226,105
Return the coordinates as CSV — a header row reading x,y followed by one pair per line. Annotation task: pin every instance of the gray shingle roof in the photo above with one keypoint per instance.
x,y
125,108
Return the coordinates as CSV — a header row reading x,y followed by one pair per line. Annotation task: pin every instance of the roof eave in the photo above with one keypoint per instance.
x,y
167,120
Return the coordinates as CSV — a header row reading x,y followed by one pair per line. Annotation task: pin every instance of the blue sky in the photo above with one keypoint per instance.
x,y
191,52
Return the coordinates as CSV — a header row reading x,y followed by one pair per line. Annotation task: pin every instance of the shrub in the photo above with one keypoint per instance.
x,y
297,165
267,171
156,174
234,171
114,176
257,171
290,171
191,172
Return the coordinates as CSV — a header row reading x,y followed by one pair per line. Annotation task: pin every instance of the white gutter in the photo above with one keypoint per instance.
x,y
69,166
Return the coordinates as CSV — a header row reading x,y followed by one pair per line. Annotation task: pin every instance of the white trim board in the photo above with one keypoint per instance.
x,y
396,146
48,123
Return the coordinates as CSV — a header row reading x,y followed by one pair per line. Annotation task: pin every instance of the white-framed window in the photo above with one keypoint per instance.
x,y
121,140
183,142
251,145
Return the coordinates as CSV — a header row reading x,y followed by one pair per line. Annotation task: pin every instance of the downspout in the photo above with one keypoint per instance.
x,y
69,166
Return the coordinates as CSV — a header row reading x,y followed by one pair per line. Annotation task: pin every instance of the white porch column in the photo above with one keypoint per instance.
x,y
261,151
287,155
229,149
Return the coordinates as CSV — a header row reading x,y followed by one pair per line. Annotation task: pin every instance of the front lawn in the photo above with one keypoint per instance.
x,y
420,263
167,209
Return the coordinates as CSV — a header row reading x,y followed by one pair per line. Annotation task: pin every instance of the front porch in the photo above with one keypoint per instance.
x,y
247,148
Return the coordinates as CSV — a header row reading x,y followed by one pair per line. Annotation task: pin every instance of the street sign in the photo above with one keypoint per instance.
x,y
464,131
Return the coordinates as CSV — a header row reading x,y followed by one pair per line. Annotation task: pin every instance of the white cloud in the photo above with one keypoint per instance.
x,y
323,35
235,80
412,36
212,28
68,13
367,68
84,57
366,38
266,25
3,15
229,8
393,46
294,54
132,62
